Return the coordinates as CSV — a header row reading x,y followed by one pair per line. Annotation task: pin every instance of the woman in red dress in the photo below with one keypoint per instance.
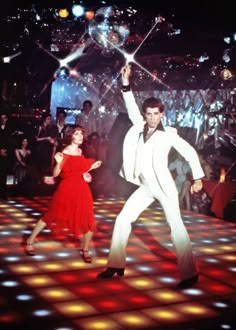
x,y
71,207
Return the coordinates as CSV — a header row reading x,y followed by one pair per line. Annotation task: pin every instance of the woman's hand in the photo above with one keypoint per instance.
x,y
3,152
52,140
48,180
196,186
97,164
87,177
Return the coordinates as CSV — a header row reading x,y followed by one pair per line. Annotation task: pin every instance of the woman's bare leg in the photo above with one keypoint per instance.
x,y
184,195
85,250
87,239
37,229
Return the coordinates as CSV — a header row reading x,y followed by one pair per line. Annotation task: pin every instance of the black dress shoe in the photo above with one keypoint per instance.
x,y
188,283
109,272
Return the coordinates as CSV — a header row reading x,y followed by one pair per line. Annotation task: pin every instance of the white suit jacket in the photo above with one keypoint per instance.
x,y
164,141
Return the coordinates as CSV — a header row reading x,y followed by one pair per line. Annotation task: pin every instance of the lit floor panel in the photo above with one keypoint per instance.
x,y
56,290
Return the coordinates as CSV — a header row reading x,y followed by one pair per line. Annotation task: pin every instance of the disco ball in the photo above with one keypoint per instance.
x,y
107,29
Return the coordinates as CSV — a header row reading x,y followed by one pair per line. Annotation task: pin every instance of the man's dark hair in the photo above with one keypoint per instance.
x,y
4,112
89,102
44,115
152,102
61,112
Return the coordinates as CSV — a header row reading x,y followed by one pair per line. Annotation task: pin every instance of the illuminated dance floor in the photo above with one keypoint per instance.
x,y
56,290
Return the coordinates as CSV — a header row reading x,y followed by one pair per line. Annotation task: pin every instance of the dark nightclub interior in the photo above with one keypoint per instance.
x,y
52,59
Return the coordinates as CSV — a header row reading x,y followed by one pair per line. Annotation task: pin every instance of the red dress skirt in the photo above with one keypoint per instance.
x,y
71,207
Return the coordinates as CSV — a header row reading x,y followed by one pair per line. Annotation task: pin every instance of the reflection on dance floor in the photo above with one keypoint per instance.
x,y
56,290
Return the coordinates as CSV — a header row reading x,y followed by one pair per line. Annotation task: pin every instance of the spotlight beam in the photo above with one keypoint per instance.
x,y
64,62
130,57
110,86
144,39
78,52
7,59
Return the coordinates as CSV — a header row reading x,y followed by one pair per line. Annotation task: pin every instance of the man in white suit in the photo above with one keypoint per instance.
x,y
145,163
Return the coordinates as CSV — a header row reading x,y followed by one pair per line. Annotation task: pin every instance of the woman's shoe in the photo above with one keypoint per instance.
x,y
29,250
188,283
110,272
86,257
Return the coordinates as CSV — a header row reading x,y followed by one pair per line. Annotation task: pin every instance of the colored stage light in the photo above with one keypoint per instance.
x,y
63,13
89,14
77,10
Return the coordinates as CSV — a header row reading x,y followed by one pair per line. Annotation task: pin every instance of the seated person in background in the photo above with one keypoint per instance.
x,y
189,201
201,202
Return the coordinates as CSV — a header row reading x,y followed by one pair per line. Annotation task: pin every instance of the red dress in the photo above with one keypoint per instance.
x,y
71,207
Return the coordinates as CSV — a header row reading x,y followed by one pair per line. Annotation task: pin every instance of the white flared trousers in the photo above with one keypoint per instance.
x,y
133,207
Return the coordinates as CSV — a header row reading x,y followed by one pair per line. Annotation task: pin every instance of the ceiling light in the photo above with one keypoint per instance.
x,y
77,10
63,13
